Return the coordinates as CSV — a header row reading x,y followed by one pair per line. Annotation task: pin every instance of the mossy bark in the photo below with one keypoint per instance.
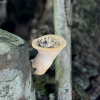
x,y
15,74
62,23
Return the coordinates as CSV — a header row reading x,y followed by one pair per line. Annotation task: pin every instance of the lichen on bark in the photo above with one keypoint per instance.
x,y
16,81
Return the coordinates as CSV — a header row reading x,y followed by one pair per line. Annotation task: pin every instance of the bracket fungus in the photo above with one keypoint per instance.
x,y
48,48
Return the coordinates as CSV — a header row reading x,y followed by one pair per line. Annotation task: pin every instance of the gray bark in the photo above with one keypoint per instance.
x,y
3,12
62,23
15,74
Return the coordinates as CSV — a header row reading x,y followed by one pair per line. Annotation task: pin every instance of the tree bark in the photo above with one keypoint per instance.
x,y
15,74
62,23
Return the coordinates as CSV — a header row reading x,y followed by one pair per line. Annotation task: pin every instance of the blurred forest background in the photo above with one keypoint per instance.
x,y
30,19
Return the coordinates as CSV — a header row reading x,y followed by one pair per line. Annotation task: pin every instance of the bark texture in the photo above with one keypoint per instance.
x,y
15,74
63,21
3,12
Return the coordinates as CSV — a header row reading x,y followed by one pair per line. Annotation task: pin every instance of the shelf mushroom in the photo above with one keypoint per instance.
x,y
48,47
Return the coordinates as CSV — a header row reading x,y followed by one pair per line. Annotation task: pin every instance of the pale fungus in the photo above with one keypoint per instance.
x,y
48,47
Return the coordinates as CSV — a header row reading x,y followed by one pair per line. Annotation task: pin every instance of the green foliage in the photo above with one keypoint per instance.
x,y
81,92
83,15
86,47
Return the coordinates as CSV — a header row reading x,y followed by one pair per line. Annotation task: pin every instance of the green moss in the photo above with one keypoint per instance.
x,y
58,69
10,38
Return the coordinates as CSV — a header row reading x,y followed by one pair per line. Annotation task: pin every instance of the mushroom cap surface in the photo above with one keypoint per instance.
x,y
49,42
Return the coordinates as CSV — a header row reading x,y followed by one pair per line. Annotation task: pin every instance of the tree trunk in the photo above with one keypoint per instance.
x,y
15,74
63,21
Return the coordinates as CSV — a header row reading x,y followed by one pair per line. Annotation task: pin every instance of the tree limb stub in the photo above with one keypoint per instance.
x,y
15,73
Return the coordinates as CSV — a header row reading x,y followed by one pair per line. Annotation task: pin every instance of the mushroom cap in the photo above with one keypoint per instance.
x,y
49,42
